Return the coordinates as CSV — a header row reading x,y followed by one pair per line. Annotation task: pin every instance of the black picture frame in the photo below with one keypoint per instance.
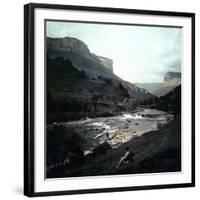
x,y
29,80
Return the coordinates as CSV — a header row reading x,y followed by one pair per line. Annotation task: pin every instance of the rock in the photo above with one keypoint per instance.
x,y
171,81
172,75
101,149
106,62
93,66
161,125
69,44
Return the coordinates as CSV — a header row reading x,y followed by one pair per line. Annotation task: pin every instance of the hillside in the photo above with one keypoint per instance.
x,y
93,115
78,78
171,81
171,101
154,152
151,87
79,54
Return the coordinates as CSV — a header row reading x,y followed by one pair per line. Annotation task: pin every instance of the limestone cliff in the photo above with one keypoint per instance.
x,y
75,45
171,81
98,70
106,62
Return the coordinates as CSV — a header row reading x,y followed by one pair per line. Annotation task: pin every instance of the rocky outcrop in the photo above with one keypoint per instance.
x,y
106,62
154,152
172,76
73,45
171,81
68,44
151,87
98,70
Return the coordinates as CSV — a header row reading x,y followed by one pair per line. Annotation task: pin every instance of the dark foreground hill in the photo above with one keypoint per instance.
x,y
171,101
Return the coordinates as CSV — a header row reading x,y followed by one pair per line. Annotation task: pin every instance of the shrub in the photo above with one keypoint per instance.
x,y
65,104
101,149
61,66
123,90
64,142
108,80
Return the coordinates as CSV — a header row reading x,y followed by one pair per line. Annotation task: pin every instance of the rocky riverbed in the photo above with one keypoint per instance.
x,y
118,129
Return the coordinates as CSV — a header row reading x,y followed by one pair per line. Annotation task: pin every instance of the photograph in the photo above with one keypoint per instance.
x,y
112,98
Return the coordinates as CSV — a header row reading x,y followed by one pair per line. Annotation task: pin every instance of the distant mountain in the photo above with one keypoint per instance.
x,y
171,81
151,87
176,76
99,81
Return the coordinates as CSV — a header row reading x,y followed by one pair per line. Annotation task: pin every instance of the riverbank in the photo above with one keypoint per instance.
x,y
118,129
155,152
156,147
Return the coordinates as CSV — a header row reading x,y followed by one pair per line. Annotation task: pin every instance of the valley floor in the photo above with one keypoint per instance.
x,y
156,147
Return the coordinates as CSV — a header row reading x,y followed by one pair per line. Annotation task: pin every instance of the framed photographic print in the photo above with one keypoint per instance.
x,y
109,99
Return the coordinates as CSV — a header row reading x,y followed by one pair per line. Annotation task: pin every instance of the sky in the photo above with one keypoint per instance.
x,y
142,54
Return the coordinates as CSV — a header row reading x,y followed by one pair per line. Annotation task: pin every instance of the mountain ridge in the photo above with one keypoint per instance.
x,y
170,82
98,76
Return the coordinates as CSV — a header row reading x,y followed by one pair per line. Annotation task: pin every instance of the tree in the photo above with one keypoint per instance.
x,y
63,142
94,100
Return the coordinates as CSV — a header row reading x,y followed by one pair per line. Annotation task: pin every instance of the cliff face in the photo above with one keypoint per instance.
x,y
68,44
72,45
106,62
171,81
172,76
100,78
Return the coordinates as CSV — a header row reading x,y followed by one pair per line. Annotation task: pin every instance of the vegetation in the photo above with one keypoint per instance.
x,y
100,150
166,160
156,151
61,76
123,90
63,143
64,104
108,80
72,116
60,65
171,101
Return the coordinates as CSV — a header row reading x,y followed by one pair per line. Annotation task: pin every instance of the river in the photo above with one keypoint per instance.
x,y
118,129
